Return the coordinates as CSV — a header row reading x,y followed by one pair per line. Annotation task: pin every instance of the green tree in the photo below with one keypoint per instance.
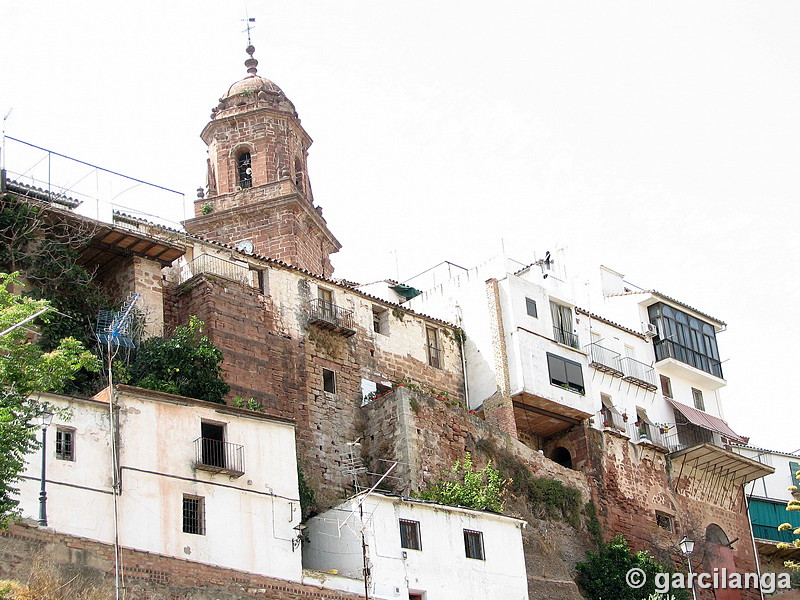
x,y
464,486
792,506
25,370
186,363
603,574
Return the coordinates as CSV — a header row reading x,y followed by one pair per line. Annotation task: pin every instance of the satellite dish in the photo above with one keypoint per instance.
x,y
245,246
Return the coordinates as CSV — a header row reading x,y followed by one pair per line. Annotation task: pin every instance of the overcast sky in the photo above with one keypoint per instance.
x,y
659,138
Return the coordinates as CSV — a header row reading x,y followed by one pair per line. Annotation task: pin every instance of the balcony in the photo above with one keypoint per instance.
x,y
609,418
647,432
562,336
677,360
638,373
604,360
206,264
327,315
216,456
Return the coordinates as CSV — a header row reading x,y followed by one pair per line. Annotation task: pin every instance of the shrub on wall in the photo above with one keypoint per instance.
x,y
187,364
464,486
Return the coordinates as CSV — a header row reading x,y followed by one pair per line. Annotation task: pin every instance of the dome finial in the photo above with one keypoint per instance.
x,y
251,63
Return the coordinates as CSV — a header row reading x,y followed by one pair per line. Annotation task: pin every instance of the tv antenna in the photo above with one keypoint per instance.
x,y
115,330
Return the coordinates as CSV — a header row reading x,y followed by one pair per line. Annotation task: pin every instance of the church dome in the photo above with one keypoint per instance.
x,y
252,92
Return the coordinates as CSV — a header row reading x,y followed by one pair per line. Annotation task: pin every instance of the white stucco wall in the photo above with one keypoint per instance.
x,y
772,486
440,569
249,520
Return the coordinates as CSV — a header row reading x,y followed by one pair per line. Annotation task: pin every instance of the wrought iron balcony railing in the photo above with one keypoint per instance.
x,y
562,336
604,360
610,419
670,349
206,264
328,315
638,373
651,433
216,456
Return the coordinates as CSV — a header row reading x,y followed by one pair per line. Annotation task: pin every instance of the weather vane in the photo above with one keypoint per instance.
x,y
249,20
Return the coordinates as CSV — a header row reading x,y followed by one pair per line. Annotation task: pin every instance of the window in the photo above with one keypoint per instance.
x,y
325,302
530,307
298,174
244,170
194,519
473,544
565,373
213,444
432,335
562,325
380,320
65,443
329,381
666,386
685,338
697,396
664,521
409,535
643,424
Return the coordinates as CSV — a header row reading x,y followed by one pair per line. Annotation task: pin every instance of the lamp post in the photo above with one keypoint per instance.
x,y
687,547
45,418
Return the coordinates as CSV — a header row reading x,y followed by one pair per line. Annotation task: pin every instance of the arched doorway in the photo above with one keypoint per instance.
x,y
721,557
562,456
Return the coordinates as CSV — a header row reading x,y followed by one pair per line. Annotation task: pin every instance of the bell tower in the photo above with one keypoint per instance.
x,y
259,195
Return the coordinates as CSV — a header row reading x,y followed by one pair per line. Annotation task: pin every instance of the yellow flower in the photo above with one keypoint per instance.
x,y
792,488
793,507
783,546
796,531
784,527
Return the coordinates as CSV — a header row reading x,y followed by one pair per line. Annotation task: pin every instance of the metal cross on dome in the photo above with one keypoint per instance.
x,y
248,20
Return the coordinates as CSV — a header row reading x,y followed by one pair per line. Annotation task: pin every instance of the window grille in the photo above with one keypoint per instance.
x,y
409,535
193,515
473,544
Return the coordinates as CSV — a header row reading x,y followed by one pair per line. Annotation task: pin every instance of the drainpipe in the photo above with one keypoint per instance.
x,y
753,540
463,357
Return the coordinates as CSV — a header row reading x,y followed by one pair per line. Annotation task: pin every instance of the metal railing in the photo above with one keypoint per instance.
x,y
687,435
207,264
611,419
670,349
638,373
217,456
646,432
604,360
562,336
328,312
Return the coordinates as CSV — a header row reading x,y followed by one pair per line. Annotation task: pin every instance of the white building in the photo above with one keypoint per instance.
x,y
197,480
417,550
561,350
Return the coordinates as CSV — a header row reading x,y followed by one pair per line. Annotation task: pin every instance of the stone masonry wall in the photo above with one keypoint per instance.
x,y
631,482
147,576
273,356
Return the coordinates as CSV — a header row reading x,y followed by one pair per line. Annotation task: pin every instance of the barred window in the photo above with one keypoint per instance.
x,y
194,519
65,443
473,544
432,335
409,535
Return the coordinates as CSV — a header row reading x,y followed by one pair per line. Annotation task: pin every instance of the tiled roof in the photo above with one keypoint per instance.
x,y
674,301
591,315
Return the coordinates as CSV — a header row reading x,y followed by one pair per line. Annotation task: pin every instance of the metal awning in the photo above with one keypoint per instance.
x,y
722,463
707,421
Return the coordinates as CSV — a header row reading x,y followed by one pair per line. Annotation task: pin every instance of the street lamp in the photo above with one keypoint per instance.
x,y
687,547
45,418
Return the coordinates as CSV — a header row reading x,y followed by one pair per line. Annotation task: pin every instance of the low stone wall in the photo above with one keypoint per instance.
x,y
147,576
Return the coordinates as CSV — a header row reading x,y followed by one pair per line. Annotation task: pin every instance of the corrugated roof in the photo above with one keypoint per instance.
x,y
707,421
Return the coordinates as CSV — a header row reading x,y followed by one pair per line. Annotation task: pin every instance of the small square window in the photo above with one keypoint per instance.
x,y
65,443
530,307
194,518
697,396
664,521
380,320
666,386
329,381
473,544
409,535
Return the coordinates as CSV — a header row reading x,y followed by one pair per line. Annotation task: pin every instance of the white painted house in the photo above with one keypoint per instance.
x,y
416,550
564,349
197,480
